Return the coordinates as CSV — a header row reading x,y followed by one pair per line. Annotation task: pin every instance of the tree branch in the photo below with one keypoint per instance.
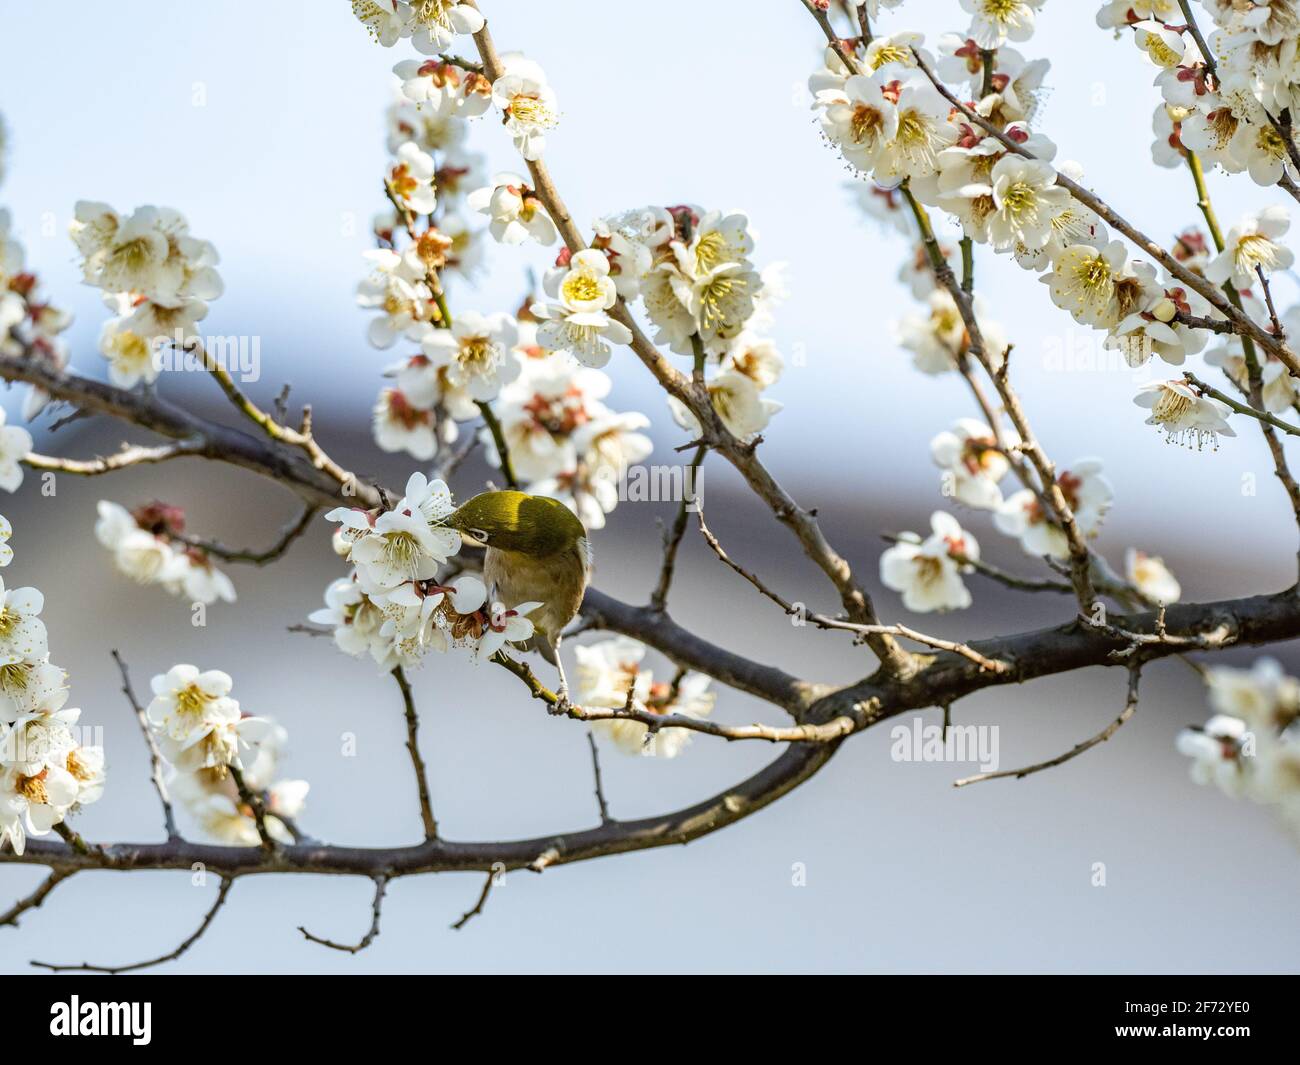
x,y
413,749
87,967
376,909
155,756
1130,708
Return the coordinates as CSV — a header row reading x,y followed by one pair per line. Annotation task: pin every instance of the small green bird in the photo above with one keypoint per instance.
x,y
537,551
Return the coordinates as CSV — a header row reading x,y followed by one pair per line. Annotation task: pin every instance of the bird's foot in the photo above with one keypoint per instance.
x,y
562,704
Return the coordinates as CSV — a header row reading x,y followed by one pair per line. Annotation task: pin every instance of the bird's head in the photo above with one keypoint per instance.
x,y
515,521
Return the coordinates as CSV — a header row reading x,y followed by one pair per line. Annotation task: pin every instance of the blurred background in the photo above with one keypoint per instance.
x,y
280,166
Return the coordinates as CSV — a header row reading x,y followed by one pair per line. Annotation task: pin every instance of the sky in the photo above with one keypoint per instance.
x,y
262,122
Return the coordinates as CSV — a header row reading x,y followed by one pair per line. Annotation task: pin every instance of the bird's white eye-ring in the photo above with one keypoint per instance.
x,y
478,534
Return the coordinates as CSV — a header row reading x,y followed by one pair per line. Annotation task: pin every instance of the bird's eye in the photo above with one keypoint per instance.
x,y
479,535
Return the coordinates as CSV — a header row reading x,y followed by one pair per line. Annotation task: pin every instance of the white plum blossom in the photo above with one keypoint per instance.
x,y
516,211
610,669
445,88
994,21
1088,495
937,337
972,463
1185,416
1151,577
928,572
15,445
400,295
399,425
435,24
1026,202
528,104
861,118
1216,752
476,354
410,181
1251,245
578,323
130,355
387,20
1099,286
923,131
740,404
22,633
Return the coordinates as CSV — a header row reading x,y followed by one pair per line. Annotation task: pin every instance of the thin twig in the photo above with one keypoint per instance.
x,y
673,537
30,902
595,771
826,733
254,556
413,748
1130,707
376,909
87,967
155,756
861,630
130,455
1241,408
255,804
470,914
493,424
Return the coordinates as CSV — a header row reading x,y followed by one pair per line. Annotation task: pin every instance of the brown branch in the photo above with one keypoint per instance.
x,y
255,804
804,733
376,909
413,749
824,622
939,681
673,536
470,914
256,557
130,455
87,967
603,805
1213,325
155,756
1240,408
1130,708
30,902
493,424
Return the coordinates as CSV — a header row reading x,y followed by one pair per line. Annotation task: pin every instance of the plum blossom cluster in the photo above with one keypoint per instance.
x,y
896,131
562,438
911,150
30,325
393,606
148,546
430,25
47,772
536,365
156,278
611,675
203,735
701,292
1221,111
1222,114
1250,747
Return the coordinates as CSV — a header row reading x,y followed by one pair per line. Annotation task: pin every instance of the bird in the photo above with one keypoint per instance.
x,y
536,551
